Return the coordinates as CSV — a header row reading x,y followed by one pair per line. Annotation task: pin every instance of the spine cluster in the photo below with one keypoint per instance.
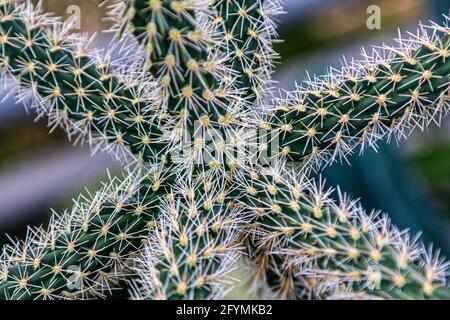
x,y
387,93
174,230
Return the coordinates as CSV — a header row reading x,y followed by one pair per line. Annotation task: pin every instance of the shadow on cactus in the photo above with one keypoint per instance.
x,y
219,164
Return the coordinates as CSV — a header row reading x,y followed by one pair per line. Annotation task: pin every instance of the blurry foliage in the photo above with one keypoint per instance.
x,y
433,163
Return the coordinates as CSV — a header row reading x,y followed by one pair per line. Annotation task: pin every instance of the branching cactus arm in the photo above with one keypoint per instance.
x,y
77,90
195,247
213,58
336,246
73,70
387,93
212,62
83,251
177,39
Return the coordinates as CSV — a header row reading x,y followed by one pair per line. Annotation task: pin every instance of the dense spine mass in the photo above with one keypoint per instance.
x,y
387,93
174,229
83,251
334,247
77,92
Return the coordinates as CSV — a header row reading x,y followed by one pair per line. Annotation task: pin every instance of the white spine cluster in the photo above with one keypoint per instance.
x,y
334,247
384,95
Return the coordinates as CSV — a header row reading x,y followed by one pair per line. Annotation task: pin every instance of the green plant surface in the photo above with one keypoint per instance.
x,y
84,249
302,243
335,246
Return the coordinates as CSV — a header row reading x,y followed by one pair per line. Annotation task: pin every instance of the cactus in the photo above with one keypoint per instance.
x,y
195,247
173,227
84,250
86,94
177,44
335,246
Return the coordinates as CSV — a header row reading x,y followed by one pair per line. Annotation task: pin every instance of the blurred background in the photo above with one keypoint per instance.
x,y
411,182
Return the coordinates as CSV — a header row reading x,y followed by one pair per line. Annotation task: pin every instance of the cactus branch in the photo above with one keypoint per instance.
x,y
210,62
195,246
77,90
385,94
83,251
335,245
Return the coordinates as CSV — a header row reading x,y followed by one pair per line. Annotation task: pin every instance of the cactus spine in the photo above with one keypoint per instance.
x,y
211,61
83,252
335,246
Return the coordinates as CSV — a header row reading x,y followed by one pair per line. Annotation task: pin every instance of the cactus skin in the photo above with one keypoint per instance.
x,y
336,246
230,49
77,92
388,93
179,53
88,245
292,270
194,248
